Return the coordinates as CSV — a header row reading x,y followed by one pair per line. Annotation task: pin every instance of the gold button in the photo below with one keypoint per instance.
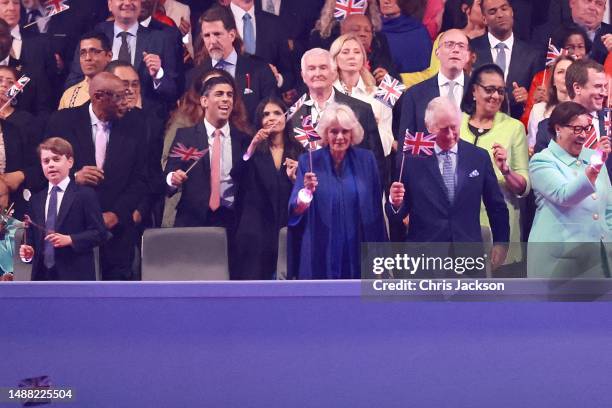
x,y
595,216
594,196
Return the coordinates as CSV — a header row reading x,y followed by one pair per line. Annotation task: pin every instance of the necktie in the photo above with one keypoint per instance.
x,y
215,173
101,142
48,250
448,175
124,50
249,34
451,91
222,64
269,7
591,137
501,56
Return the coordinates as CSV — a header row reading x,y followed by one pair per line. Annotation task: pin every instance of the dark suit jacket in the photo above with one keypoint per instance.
x,y
80,217
271,44
260,76
543,137
599,52
124,181
37,96
415,101
525,62
192,210
433,218
365,115
152,42
20,156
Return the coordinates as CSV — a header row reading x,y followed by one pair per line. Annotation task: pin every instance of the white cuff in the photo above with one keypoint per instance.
x,y
158,78
169,179
280,80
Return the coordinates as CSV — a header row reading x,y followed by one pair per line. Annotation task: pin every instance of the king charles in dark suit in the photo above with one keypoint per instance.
x,y
115,169
442,190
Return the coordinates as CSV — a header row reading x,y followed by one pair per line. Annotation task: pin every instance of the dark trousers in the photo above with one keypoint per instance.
x,y
117,254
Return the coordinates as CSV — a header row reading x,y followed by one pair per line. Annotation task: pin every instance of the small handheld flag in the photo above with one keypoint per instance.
x,y
553,53
296,106
17,87
345,8
307,135
419,143
55,6
389,90
186,153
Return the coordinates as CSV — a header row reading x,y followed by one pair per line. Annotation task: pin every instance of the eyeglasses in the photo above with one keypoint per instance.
x,y
578,130
450,45
114,96
94,52
490,90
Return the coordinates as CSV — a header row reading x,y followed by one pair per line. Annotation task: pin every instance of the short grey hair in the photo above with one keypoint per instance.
x,y
439,105
344,116
317,51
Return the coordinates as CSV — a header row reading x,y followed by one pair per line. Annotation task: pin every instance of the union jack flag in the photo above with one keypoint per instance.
x,y
307,135
389,90
55,6
187,153
17,87
608,122
553,53
42,382
417,143
296,106
345,8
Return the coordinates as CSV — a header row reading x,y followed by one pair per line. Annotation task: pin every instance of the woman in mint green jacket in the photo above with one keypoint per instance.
x,y
571,232
485,125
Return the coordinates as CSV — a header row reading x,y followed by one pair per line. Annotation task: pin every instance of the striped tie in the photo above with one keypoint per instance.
x,y
591,137
448,175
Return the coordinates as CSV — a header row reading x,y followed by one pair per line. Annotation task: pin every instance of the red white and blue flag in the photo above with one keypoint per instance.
x,y
186,153
307,135
389,90
553,53
296,106
17,87
345,8
55,6
608,121
419,143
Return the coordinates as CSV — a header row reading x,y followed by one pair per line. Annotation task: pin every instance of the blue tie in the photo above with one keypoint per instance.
x,y
249,34
221,65
49,251
448,175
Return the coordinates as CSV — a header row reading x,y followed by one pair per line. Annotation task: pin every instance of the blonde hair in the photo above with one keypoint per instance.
x,y
365,75
336,113
326,22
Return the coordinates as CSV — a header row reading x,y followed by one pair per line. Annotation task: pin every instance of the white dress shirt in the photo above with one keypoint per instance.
x,y
239,14
509,44
315,110
5,61
41,21
131,40
95,122
17,42
63,185
595,123
443,85
276,3
230,63
382,113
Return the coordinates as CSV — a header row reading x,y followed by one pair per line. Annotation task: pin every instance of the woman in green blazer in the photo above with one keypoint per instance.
x,y
571,232
485,125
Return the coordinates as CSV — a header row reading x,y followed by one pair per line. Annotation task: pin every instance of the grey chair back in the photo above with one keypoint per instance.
x,y
184,254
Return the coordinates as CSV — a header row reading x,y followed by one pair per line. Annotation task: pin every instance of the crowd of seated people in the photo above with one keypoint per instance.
x,y
344,121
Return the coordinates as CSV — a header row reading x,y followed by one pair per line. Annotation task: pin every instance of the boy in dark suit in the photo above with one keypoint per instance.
x,y
67,220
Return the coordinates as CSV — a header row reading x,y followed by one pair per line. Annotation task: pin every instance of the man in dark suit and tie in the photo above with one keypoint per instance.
x,y
254,78
318,76
71,218
585,81
516,58
109,157
151,52
450,81
262,35
442,192
210,188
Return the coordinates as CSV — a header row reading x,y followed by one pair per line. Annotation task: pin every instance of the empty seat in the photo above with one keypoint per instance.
x,y
184,254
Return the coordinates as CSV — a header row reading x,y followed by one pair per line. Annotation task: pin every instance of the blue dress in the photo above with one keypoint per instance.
x,y
324,242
